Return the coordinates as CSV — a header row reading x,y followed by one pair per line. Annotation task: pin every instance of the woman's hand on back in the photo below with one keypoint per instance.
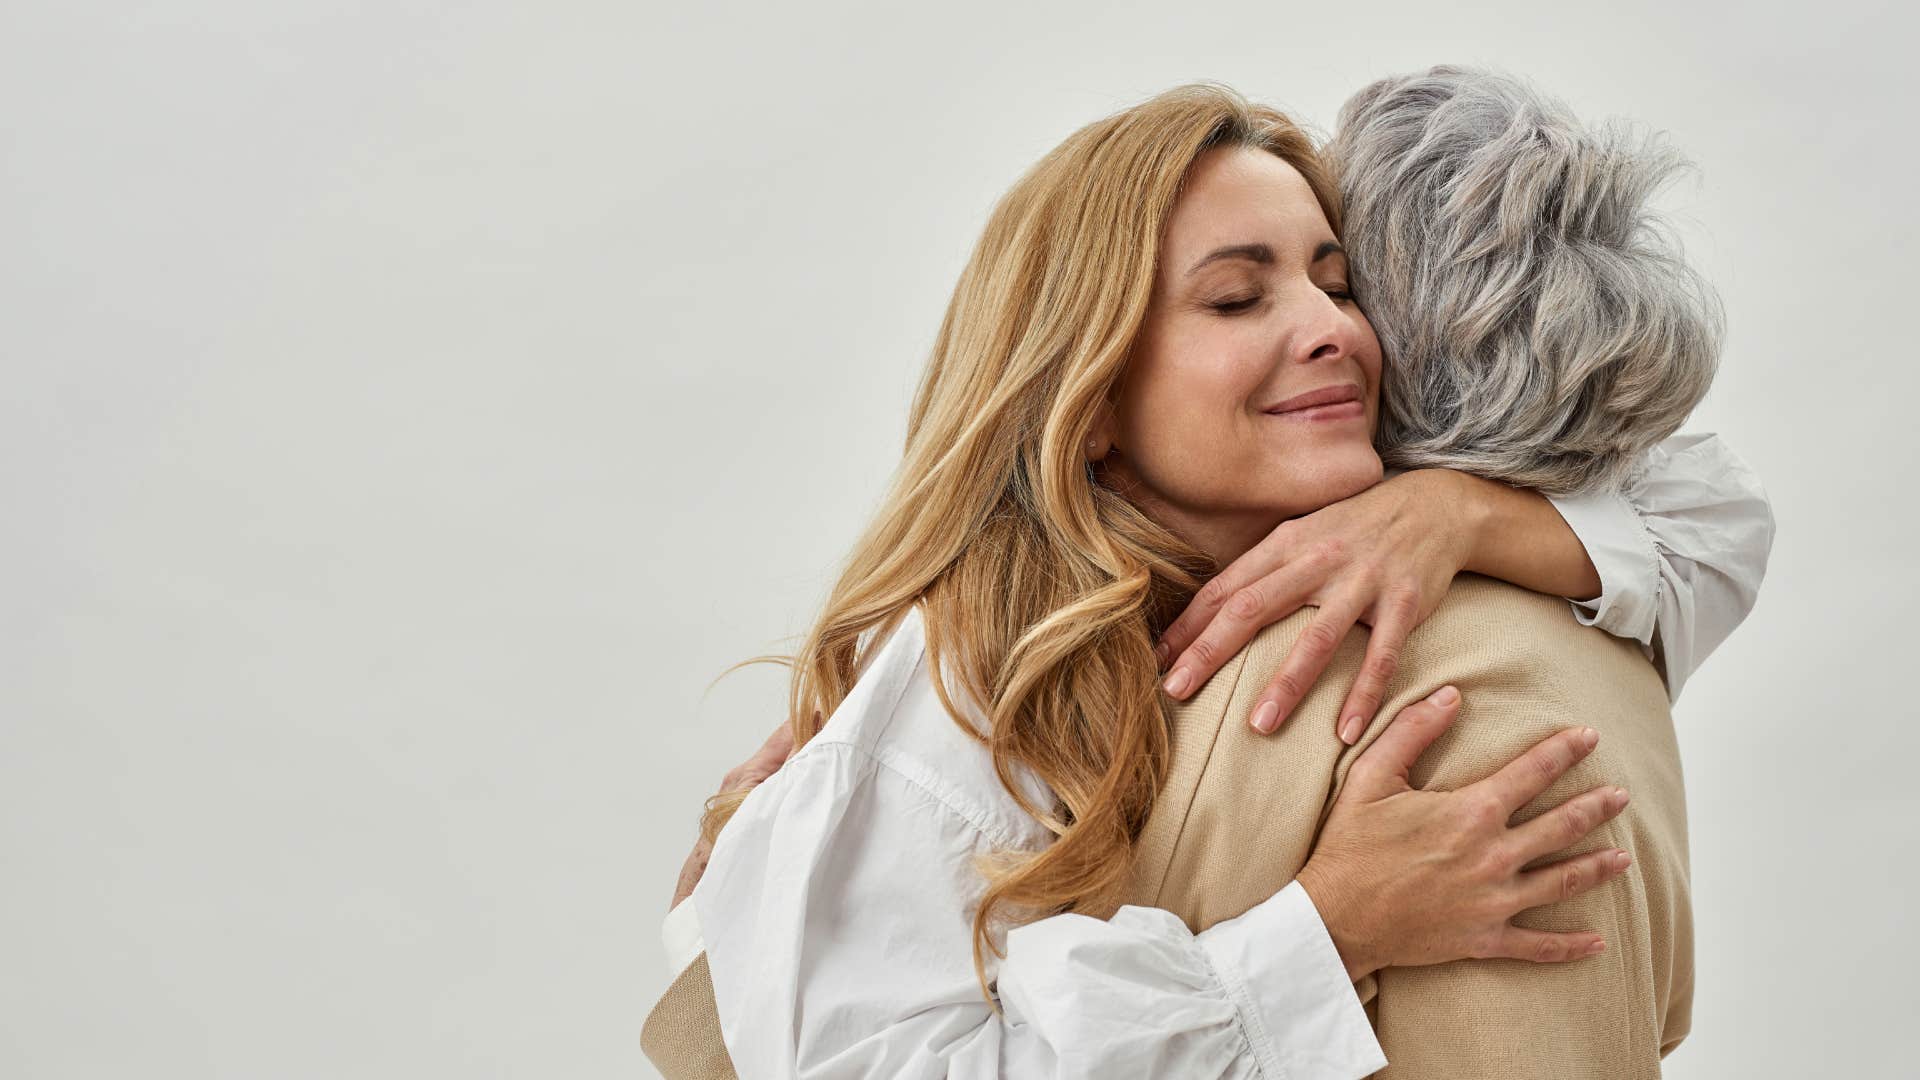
x,y
743,777
1383,557
1404,876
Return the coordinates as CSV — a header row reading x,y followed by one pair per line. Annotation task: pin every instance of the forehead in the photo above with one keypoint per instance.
x,y
1239,195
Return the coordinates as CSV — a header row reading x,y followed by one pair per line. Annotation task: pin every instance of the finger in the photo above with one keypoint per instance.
x,y
1526,776
765,761
691,872
1269,555
779,745
1569,878
1382,769
1567,824
1398,616
1309,657
1544,947
1250,610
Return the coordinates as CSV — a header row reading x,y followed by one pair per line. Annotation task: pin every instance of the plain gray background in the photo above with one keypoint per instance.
x,y
410,408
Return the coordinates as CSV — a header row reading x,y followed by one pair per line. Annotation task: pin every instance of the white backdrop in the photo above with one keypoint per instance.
x,y
409,409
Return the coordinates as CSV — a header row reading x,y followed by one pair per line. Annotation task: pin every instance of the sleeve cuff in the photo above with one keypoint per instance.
x,y
1290,987
1625,557
680,936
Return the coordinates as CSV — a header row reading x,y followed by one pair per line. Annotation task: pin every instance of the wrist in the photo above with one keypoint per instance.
x,y
1518,535
1354,955
1467,508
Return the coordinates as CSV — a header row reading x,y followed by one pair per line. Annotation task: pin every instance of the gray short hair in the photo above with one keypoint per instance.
x,y
1539,325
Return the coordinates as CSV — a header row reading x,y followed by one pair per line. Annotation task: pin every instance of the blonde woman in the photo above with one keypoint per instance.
x,y
928,886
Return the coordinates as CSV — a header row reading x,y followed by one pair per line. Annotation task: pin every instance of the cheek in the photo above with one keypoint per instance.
x,y
1187,434
1186,407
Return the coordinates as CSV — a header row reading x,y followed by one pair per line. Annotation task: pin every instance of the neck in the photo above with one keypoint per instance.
x,y
1223,537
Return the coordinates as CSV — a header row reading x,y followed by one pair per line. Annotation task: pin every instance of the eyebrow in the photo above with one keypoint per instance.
x,y
1262,254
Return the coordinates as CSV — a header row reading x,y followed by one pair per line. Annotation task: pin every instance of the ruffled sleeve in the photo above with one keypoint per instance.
x,y
837,918
1681,549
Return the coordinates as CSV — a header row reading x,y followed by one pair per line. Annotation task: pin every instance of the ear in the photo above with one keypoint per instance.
x,y
1102,437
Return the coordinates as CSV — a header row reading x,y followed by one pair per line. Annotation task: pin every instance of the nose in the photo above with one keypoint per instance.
x,y
1327,334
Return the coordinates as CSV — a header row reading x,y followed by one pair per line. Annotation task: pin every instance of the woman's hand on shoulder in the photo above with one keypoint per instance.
x,y
1404,876
1384,557
745,776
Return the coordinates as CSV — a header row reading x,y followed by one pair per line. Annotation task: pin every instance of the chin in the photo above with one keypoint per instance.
x,y
1335,478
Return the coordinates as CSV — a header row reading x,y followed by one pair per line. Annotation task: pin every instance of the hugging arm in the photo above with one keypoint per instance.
x,y
838,939
1676,558
838,933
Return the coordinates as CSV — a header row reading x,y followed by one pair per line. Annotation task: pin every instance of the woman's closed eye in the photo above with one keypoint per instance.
x,y
1234,307
1340,293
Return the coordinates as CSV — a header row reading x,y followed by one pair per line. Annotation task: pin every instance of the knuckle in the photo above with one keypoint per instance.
x,y
1290,685
1490,872
1250,602
1205,651
1329,550
1497,861
1547,949
1572,880
1214,592
1547,763
1577,821
1402,600
1320,637
1386,658
1485,811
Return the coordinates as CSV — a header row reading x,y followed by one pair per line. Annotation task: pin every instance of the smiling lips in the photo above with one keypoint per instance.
x,y
1341,402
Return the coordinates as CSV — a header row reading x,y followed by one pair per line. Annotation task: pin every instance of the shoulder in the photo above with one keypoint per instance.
x,y
1522,661
1527,668
1501,635
892,739
1481,627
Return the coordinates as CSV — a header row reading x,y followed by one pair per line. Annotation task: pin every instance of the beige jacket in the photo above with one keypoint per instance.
x,y
1240,813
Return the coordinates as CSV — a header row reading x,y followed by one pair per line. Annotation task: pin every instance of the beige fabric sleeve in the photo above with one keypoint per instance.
x,y
682,1033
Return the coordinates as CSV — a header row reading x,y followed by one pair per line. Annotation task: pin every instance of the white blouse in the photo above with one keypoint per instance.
x,y
836,909
1681,549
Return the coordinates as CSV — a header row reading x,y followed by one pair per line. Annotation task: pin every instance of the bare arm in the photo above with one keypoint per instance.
x,y
1516,535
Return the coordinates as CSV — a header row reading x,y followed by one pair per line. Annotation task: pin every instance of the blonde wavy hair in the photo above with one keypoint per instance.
x,y
1042,588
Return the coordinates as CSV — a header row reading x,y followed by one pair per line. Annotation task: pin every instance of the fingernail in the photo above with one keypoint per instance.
x,y
1621,860
1266,717
1350,730
1177,682
1619,797
1444,696
1160,653
1597,946
1589,738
